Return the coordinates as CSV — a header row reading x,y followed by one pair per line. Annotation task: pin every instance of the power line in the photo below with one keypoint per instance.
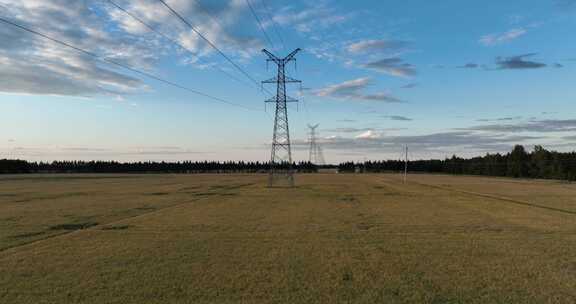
x,y
207,13
260,24
274,24
124,65
197,56
175,13
211,16
215,19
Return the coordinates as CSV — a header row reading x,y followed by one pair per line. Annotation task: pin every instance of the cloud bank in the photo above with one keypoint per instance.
x,y
494,39
392,66
355,90
34,65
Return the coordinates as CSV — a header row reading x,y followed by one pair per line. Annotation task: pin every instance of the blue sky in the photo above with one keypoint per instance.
x,y
444,77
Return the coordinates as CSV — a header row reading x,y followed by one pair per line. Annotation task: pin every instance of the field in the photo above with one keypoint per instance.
x,y
333,239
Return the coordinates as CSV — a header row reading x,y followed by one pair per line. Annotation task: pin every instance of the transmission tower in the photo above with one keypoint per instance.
x,y
316,156
406,164
281,171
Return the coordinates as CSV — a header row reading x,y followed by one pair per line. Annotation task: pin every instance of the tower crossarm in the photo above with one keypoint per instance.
x,y
271,80
275,99
291,55
272,56
287,80
291,80
277,60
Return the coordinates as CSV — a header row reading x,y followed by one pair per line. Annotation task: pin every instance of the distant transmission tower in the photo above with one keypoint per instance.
x,y
406,164
316,156
281,171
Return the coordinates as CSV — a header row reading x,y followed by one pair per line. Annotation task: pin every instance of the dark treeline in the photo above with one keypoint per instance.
x,y
519,163
539,163
21,166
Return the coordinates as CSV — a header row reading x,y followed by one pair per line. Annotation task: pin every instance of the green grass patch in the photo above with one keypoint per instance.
x,y
349,199
145,208
117,227
73,226
230,187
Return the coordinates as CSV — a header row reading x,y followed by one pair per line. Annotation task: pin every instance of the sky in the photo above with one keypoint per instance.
x,y
442,77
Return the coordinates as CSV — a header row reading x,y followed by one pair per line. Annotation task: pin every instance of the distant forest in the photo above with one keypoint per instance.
x,y
22,166
519,163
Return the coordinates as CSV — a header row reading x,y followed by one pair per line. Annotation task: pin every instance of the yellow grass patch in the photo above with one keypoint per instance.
x,y
333,239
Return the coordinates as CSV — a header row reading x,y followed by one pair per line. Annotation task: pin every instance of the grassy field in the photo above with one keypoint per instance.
x,y
333,239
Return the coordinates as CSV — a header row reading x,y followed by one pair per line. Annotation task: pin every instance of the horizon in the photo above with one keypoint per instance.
x,y
376,77
399,159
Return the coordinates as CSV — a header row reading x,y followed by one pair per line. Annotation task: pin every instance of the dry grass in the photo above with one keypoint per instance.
x,y
334,239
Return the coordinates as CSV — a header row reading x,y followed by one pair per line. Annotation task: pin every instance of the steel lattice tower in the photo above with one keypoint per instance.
x,y
316,156
281,170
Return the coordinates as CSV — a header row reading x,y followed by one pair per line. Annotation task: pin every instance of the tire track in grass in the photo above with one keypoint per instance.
x,y
7,250
501,198
494,197
4,252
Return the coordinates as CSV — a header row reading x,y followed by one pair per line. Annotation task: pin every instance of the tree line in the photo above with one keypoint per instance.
x,y
8,166
539,163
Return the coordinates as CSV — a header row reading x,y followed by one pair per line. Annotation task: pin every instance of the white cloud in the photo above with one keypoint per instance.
x,y
345,88
494,39
34,65
316,16
539,126
353,90
392,66
370,134
376,46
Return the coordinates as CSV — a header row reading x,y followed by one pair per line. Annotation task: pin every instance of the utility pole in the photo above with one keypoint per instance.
x,y
281,170
406,164
315,155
